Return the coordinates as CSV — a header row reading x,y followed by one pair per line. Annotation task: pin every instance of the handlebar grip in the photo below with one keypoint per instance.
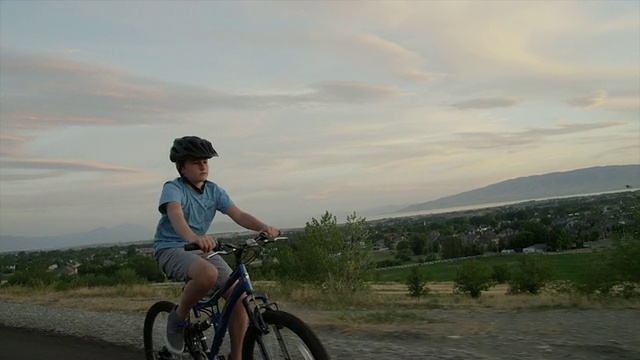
x,y
264,236
191,247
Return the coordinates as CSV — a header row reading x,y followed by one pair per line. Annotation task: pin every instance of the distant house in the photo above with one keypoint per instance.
x,y
536,248
146,251
508,251
66,270
4,278
379,246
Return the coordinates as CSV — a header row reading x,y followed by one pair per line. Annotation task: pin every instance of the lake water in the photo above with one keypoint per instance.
x,y
482,206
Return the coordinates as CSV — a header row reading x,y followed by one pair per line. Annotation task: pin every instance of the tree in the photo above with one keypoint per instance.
x,y
417,283
530,275
418,243
146,267
452,248
501,273
472,278
404,245
597,277
522,240
327,256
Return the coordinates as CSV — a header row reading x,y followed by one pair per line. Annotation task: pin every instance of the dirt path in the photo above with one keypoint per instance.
x,y
594,334
440,327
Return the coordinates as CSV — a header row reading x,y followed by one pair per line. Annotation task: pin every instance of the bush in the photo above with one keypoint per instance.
x,y
328,256
531,275
501,273
404,255
388,263
624,259
597,277
417,283
473,278
613,273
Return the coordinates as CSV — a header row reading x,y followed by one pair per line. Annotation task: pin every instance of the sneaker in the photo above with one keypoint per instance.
x,y
174,339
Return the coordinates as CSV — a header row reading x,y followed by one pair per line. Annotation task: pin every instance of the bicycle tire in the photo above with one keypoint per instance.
x,y
155,323
300,340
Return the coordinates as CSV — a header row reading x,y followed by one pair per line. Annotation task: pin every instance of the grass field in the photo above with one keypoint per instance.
x,y
388,292
566,266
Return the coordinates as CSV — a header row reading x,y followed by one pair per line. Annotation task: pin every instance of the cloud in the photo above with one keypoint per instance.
x,y
394,57
487,103
596,99
493,140
619,101
47,91
64,165
12,145
352,92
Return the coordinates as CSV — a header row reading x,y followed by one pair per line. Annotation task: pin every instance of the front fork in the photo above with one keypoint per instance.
x,y
257,320
255,304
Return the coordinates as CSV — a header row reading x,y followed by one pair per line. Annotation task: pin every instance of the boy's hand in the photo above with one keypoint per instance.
x,y
271,232
206,242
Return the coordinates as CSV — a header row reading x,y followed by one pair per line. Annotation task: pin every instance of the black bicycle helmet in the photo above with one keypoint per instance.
x,y
191,147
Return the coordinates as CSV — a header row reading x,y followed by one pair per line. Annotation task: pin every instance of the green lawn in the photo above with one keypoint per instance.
x,y
566,266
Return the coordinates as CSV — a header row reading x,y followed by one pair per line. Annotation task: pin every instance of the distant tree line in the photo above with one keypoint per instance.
x,y
336,257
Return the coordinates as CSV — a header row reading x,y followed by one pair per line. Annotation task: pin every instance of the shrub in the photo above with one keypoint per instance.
x,y
501,273
417,283
404,255
328,256
598,277
388,263
530,275
624,258
473,278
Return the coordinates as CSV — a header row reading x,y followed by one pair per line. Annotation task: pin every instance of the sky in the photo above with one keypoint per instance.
x,y
313,106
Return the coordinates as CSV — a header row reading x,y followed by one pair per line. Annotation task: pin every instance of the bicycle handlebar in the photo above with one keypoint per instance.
x,y
219,249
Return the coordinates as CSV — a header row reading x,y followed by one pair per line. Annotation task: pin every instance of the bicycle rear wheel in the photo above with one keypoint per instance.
x,y
288,338
155,327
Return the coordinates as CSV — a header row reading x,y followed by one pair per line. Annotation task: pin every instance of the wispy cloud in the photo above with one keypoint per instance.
x,y
47,91
12,145
352,92
596,99
64,165
493,140
487,103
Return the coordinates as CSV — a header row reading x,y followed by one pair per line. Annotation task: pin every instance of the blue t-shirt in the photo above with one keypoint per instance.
x,y
199,211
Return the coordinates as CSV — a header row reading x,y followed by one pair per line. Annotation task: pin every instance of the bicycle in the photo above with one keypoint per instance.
x,y
271,334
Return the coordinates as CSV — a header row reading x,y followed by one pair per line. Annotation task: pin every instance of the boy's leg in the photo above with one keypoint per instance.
x,y
237,329
185,266
203,276
239,320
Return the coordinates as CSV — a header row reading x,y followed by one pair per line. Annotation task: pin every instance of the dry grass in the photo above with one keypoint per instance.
x,y
121,299
388,297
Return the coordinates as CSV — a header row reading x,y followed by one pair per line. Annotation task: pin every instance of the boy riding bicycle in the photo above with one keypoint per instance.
x,y
187,206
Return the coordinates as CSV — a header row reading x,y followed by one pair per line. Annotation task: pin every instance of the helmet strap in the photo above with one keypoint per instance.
x,y
193,186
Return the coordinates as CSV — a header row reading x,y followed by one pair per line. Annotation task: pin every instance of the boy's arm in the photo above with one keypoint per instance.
x,y
248,221
176,217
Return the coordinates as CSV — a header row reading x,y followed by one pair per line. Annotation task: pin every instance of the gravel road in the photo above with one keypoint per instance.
x,y
594,334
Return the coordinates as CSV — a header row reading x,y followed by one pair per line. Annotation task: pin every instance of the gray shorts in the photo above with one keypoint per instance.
x,y
175,263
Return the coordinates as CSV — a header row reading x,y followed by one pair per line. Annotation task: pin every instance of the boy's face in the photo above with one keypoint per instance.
x,y
196,171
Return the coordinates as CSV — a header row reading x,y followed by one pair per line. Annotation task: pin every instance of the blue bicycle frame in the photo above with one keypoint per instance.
x,y
210,306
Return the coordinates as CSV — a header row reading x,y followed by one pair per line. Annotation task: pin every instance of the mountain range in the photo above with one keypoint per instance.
x,y
558,184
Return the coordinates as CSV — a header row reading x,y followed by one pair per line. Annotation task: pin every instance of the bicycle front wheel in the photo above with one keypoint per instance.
x,y
155,327
288,338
